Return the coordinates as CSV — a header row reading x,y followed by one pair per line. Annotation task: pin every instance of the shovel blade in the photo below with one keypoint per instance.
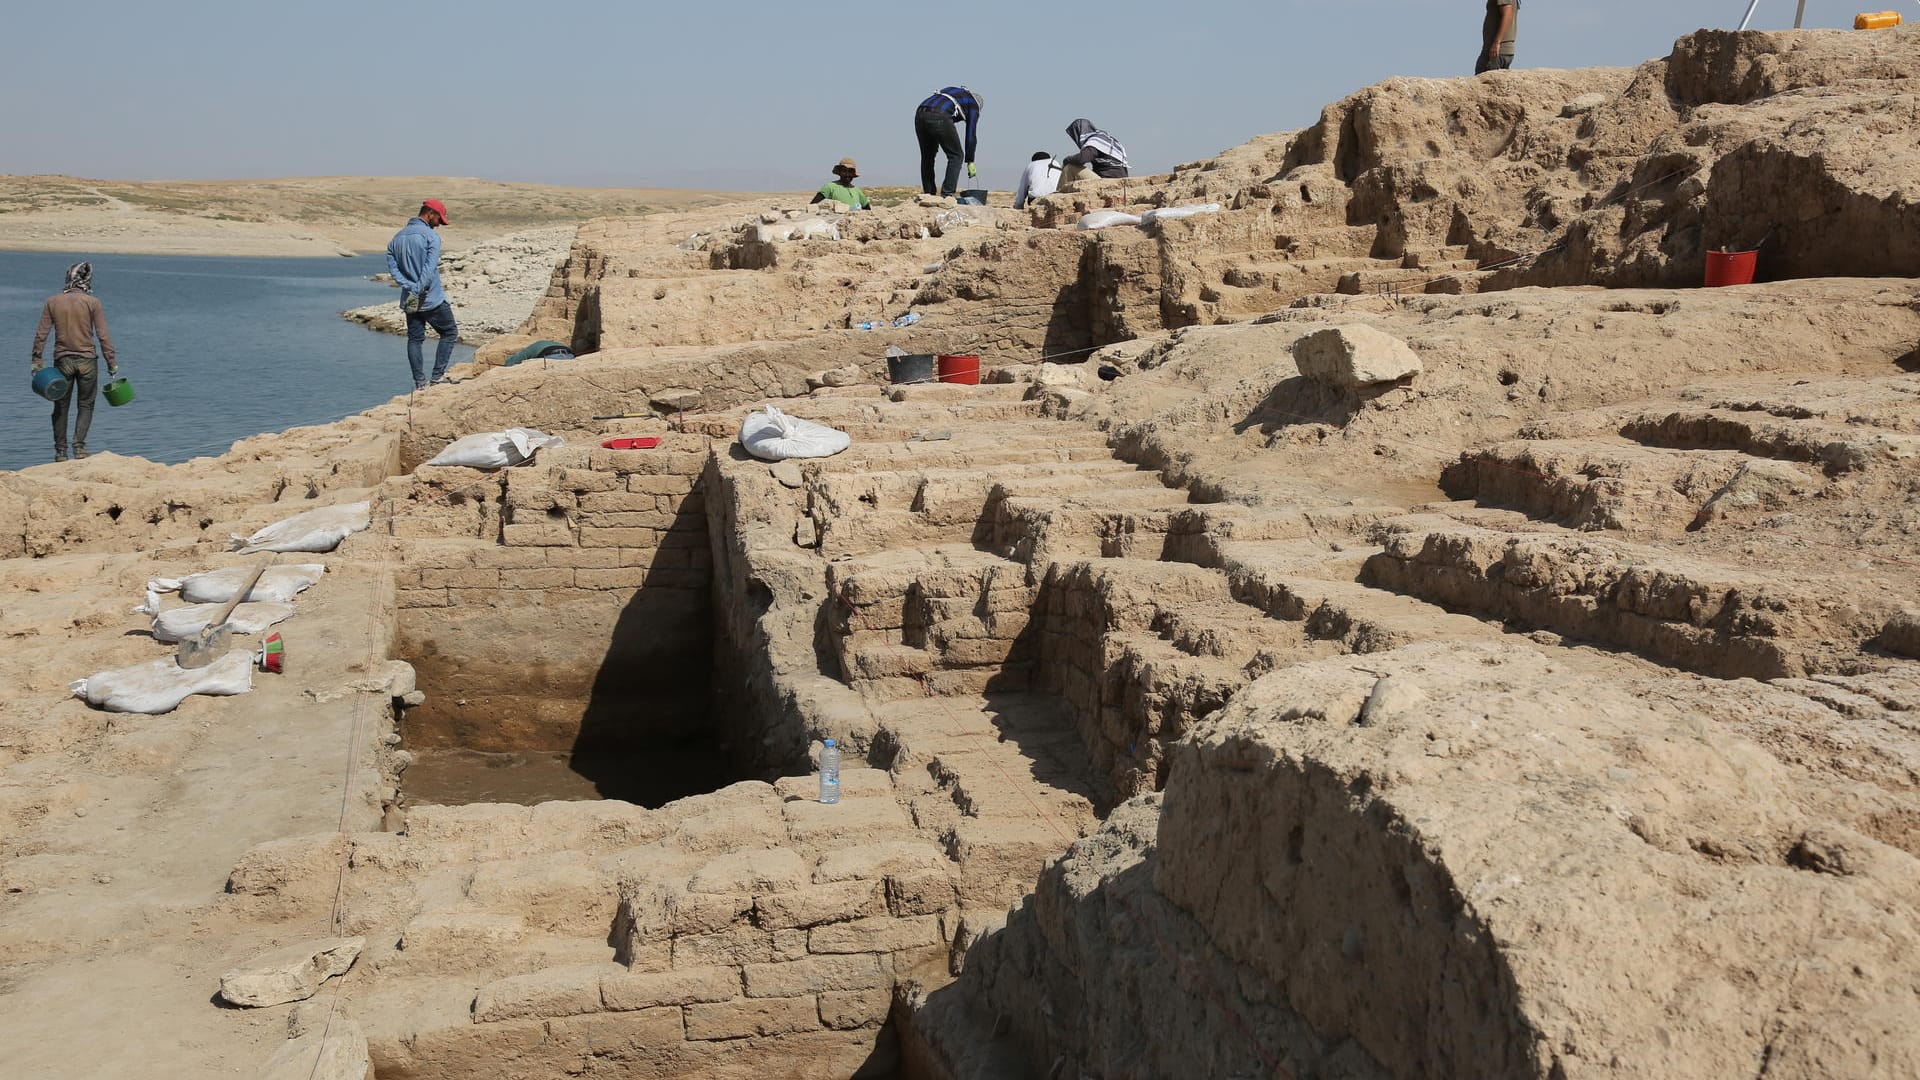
x,y
199,651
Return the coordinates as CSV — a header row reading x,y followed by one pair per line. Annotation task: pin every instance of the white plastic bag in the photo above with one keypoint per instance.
x,y
278,584
496,449
774,436
184,622
1172,213
1102,219
159,686
316,530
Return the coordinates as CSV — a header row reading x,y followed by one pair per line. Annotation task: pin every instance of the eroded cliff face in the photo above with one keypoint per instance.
x,y
1285,663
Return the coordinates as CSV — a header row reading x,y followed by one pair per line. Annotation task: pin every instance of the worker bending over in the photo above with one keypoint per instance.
x,y
936,124
1099,151
1041,178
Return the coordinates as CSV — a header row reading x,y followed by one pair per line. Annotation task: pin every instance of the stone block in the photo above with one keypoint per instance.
x,y
290,974
687,986
746,1019
883,934
816,904
813,974
921,892
845,1010
563,991
1902,633
771,870
1346,357
867,819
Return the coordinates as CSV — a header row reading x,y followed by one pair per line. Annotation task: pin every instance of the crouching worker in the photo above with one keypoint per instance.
x,y
1041,178
842,189
1099,152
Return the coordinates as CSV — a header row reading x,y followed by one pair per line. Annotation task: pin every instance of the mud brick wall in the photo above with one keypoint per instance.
x,y
562,605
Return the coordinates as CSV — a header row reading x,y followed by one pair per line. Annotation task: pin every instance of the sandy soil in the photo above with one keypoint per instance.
x,y
305,216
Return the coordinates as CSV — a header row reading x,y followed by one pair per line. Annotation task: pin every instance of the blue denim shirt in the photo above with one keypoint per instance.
x,y
413,258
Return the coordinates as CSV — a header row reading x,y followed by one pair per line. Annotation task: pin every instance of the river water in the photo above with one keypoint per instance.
x,y
216,349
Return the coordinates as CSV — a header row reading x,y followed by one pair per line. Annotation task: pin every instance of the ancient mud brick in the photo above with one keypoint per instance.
x,y
556,533
460,579
564,991
818,904
637,519
740,945
771,870
615,502
813,974
660,485
878,858
845,1010
883,934
506,558
450,942
583,559
620,1033
587,480
697,580
616,538
921,892
625,577
874,818
688,986
707,913
546,577
748,1018
422,598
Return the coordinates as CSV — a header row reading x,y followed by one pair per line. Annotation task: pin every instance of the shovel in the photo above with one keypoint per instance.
x,y
213,640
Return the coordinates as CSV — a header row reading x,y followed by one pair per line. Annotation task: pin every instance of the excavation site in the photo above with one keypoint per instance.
x,y
1375,614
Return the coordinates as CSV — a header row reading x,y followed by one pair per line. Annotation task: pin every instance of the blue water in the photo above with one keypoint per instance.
x,y
216,349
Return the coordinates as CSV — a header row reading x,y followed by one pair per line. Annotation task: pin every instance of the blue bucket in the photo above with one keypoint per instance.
x,y
50,384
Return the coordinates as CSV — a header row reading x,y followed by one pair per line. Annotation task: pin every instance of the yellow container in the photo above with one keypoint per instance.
x,y
1876,20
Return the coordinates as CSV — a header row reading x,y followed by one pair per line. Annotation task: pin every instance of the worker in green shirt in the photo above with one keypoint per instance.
x,y
842,189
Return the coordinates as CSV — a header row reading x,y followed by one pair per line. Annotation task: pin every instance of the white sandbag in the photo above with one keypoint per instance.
x,y
1102,219
185,622
1173,213
316,530
159,686
772,435
278,584
496,449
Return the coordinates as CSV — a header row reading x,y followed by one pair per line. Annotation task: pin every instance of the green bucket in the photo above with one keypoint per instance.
x,y
118,392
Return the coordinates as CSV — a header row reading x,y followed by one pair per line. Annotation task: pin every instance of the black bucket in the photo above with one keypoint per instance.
x,y
911,368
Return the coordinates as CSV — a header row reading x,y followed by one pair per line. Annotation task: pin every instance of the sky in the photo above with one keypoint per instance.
x,y
742,95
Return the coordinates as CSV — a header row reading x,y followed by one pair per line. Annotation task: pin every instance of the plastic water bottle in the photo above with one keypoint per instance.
x,y
830,772
869,325
908,319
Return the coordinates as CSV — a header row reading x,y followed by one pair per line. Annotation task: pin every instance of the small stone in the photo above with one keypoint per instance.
x,y
788,473
1902,634
1347,357
413,697
1583,104
291,974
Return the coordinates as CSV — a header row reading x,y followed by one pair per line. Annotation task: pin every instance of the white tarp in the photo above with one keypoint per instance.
x,y
277,584
772,435
496,449
318,530
185,622
159,686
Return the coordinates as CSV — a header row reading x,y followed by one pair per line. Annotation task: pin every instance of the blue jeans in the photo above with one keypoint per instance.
x,y
441,319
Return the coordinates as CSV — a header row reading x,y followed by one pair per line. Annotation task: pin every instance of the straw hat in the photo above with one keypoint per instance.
x,y
846,166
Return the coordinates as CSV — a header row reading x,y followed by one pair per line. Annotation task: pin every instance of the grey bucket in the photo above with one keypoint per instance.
x,y
911,368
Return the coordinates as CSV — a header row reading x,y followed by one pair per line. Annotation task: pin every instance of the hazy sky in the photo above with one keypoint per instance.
x,y
731,94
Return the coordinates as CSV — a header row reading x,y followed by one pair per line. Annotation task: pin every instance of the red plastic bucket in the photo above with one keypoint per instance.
x,y
1730,268
960,369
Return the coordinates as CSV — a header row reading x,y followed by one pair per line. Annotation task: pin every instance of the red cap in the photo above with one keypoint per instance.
x,y
437,207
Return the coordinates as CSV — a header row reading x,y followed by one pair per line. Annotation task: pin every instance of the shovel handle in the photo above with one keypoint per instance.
x,y
226,612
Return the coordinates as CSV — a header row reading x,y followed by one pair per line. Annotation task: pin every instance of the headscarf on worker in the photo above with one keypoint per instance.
x,y
80,276
1099,151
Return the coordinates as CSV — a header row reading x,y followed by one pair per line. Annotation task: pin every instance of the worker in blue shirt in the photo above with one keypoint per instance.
x,y
935,124
413,258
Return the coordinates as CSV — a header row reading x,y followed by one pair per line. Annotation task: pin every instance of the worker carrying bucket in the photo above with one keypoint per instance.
x,y
75,318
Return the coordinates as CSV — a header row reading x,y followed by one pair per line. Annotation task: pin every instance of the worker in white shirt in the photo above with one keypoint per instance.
x,y
1042,177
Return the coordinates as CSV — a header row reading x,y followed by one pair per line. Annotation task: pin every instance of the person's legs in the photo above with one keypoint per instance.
x,y
929,145
416,347
86,386
441,319
950,144
60,412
